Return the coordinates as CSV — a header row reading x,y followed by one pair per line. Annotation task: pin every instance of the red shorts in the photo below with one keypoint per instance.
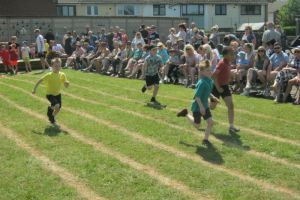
x,y
13,62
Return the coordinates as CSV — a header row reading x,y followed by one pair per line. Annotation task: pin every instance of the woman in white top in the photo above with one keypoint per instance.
x,y
172,36
137,39
182,32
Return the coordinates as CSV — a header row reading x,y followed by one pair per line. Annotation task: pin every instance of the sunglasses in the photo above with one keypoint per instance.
x,y
296,51
277,47
261,50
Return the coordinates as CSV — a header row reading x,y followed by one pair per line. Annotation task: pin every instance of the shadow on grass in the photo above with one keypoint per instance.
x,y
232,140
208,152
51,131
156,107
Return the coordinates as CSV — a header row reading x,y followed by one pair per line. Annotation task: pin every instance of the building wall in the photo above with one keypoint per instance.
x,y
233,19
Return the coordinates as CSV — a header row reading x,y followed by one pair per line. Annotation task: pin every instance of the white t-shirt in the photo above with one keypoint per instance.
x,y
40,44
25,52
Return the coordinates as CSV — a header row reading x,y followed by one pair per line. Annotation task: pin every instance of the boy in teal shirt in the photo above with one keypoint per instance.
x,y
200,107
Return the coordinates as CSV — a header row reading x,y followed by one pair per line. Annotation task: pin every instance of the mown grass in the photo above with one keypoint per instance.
x,y
98,170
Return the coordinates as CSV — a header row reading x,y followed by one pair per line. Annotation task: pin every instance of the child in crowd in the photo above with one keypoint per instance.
x,y
25,51
171,69
200,107
150,71
14,55
4,54
137,54
32,51
53,81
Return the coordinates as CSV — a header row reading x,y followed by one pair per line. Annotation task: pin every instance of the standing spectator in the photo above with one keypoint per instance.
x,y
270,34
4,55
102,37
14,55
110,37
144,33
283,37
182,32
190,33
153,34
40,47
215,36
49,36
91,38
25,56
68,44
13,40
249,36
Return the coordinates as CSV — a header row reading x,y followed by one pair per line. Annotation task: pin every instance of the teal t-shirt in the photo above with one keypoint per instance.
x,y
203,90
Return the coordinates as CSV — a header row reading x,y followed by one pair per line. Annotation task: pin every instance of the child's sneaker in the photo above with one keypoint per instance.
x,y
153,100
206,142
144,89
182,113
233,129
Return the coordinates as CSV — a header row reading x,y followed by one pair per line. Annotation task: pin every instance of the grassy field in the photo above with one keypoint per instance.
x,y
111,146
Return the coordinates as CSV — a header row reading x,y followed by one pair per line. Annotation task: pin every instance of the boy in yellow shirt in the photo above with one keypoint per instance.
x,y
53,81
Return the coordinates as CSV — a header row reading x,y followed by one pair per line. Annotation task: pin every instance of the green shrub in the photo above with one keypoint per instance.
x,y
290,30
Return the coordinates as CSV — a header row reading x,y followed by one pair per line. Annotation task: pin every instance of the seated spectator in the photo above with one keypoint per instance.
x,y
245,61
289,76
172,36
278,61
171,69
71,60
190,67
137,39
137,54
58,49
258,71
128,54
137,68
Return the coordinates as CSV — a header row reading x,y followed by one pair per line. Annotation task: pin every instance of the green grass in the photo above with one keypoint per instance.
x,y
112,179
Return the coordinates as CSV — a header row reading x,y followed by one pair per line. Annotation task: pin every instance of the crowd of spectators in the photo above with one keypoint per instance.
x,y
262,67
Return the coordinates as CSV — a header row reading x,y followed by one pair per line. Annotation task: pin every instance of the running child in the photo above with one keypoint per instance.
x,y
53,81
25,51
150,71
200,107
221,77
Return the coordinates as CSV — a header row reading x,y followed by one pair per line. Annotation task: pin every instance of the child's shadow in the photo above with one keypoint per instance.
x,y
51,131
208,153
37,73
231,140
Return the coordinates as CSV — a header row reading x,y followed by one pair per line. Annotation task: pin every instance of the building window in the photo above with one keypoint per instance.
x,y
127,10
159,10
192,9
65,10
220,9
250,9
92,10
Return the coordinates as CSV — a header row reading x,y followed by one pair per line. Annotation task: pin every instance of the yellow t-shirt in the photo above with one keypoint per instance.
x,y
53,82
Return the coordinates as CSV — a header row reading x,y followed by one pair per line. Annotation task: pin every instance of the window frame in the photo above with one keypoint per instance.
x,y
60,10
94,10
121,10
161,9
245,9
220,9
185,9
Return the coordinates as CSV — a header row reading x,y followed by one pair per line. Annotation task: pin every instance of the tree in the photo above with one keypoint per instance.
x,y
288,12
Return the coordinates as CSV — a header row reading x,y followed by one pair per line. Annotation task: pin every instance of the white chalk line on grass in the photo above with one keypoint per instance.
x,y
189,101
152,172
250,151
265,185
67,177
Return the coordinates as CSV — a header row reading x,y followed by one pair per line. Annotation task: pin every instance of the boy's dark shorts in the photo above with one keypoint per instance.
x,y
41,55
197,116
225,93
152,80
54,99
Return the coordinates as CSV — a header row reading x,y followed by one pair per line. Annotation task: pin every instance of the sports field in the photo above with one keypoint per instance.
x,y
111,146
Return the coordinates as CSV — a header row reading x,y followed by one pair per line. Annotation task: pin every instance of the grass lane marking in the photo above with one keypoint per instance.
x,y
67,177
170,149
152,172
189,101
